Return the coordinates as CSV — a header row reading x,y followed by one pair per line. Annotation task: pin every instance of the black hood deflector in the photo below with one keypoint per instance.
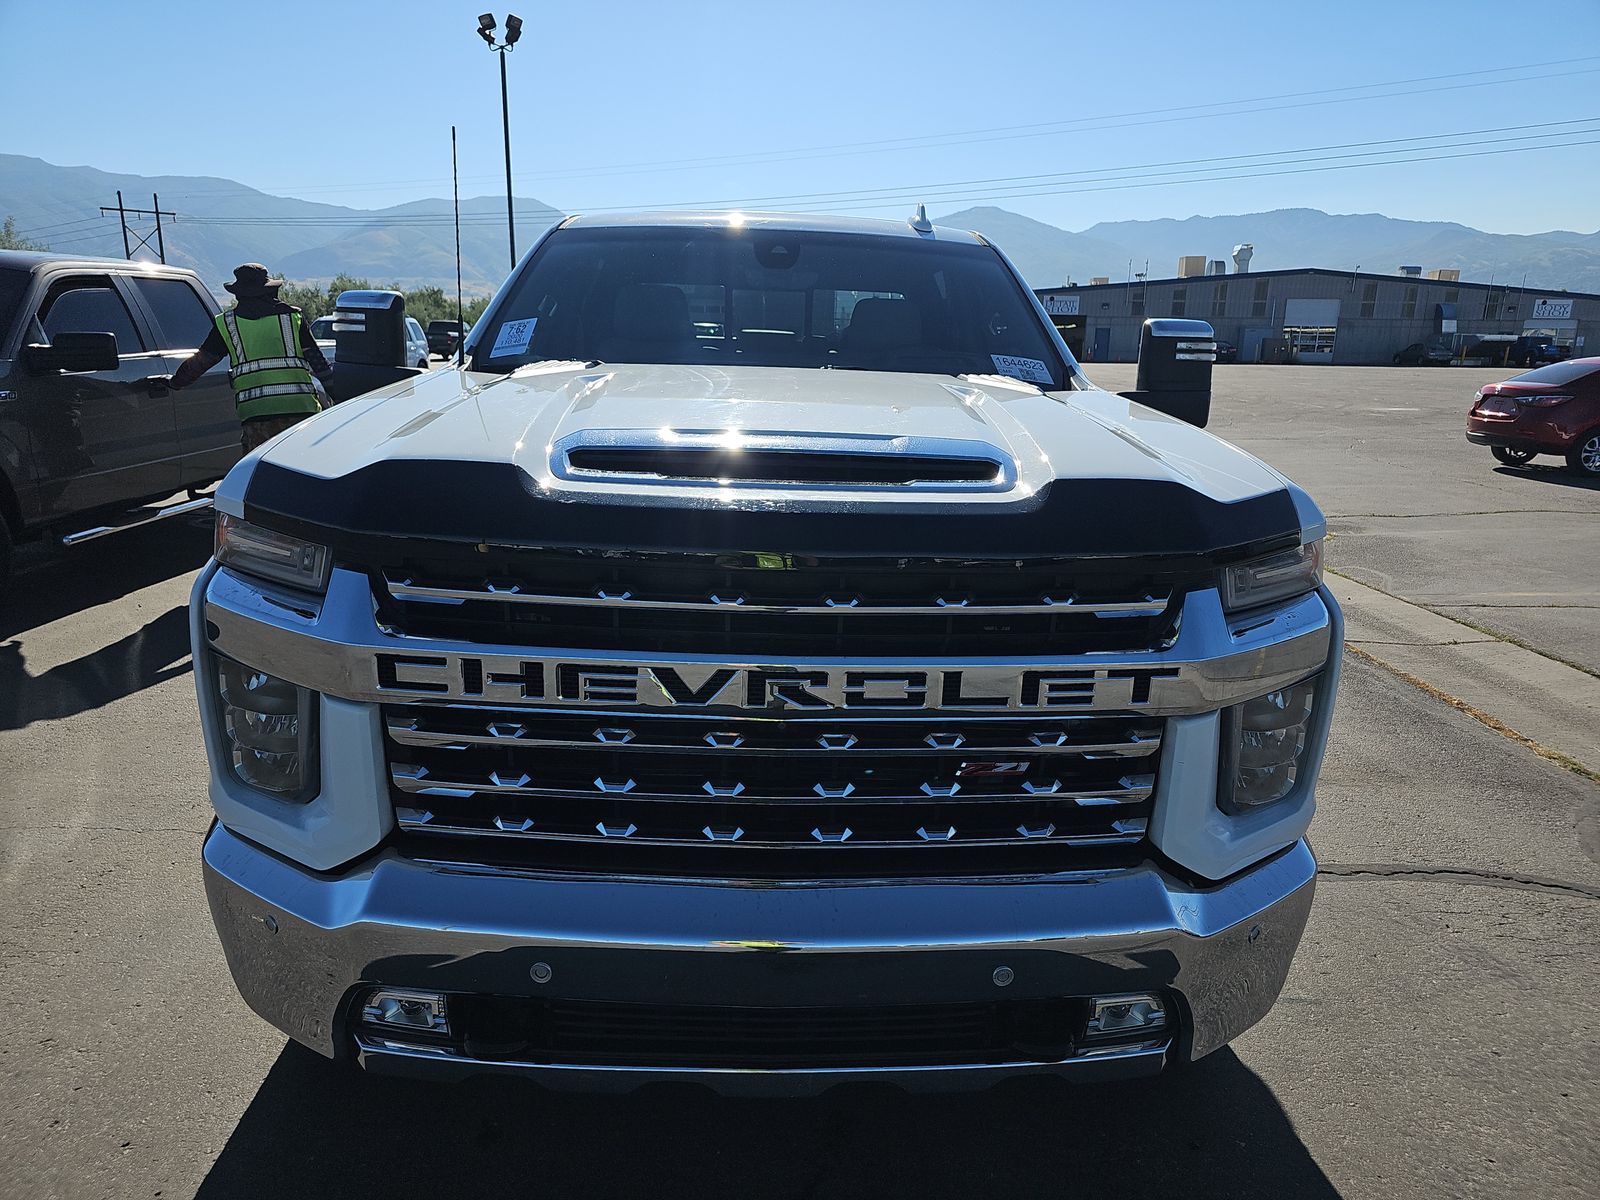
x,y
498,504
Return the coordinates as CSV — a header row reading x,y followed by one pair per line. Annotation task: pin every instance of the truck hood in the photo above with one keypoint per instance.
x,y
451,431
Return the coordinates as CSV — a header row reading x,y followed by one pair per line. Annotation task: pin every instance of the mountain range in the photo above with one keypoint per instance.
x,y
220,223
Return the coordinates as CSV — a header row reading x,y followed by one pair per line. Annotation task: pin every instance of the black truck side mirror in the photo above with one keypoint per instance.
x,y
369,334
73,352
1175,358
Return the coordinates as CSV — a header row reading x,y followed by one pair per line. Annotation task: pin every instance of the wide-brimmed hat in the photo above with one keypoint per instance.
x,y
252,279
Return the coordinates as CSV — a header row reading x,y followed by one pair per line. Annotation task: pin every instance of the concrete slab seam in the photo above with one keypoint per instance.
x,y
1457,874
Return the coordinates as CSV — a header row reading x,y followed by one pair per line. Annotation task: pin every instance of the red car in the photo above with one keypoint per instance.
x,y
1551,410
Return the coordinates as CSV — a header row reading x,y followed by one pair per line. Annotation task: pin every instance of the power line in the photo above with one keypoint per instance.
x,y
97,219
1190,164
953,190
1252,174
1081,126
1462,80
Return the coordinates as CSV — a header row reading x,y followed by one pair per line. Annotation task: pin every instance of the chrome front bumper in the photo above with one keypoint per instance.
x,y
301,943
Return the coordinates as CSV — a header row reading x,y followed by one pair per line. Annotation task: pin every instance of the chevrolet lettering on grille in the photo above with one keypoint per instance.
x,y
804,688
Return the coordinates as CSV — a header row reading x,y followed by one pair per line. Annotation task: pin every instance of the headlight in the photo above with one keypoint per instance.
x,y
1264,744
270,726
271,555
1279,576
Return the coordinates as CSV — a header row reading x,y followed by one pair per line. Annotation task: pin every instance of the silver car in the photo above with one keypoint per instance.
x,y
416,341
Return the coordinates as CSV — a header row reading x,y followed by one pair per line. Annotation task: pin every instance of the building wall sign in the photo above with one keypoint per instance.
x,y
1061,306
1552,310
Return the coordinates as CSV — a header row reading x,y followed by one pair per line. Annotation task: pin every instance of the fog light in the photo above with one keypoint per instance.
x,y
1112,1016
403,1008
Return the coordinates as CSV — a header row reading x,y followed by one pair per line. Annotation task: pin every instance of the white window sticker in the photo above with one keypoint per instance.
x,y
515,336
1029,369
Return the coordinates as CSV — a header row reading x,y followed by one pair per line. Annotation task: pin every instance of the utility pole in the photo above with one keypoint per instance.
x,y
140,241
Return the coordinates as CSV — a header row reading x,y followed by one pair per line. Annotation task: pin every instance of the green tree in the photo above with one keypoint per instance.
x,y
312,301
10,239
430,304
424,303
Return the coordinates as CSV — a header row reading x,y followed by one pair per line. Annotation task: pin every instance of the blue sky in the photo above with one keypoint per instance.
x,y
815,105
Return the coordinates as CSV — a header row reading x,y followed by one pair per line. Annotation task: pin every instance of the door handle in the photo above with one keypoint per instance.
x,y
157,385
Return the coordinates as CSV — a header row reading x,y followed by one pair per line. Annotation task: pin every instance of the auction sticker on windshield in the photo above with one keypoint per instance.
x,y
514,337
1029,369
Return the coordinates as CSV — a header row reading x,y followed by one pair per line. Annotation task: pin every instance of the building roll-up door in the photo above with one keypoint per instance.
x,y
1310,326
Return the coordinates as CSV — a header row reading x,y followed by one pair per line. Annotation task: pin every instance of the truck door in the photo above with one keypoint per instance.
x,y
208,426
100,438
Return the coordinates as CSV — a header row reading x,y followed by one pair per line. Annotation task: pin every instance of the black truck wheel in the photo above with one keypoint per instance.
x,y
1511,457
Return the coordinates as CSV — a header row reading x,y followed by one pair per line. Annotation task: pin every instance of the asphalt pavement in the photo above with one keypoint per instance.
x,y
1414,508
1436,1037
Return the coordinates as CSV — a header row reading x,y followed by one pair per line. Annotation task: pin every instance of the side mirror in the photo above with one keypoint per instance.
x,y
73,352
1175,358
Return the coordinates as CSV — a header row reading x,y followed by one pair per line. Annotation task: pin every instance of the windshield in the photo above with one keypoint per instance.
x,y
775,298
322,328
1556,374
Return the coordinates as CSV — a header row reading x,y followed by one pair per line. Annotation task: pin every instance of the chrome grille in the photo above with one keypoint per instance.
x,y
765,604
897,794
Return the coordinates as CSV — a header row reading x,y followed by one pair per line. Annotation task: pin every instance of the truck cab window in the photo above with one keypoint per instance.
x,y
181,317
90,306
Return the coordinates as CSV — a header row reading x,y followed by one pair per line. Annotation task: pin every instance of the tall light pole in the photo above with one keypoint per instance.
x,y
486,27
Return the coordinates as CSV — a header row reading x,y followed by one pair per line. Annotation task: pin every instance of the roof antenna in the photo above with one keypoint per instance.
x,y
919,220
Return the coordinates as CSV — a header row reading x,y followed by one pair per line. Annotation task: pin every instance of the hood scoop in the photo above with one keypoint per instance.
x,y
737,458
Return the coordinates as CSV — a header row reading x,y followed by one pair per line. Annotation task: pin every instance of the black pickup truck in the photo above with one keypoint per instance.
x,y
91,437
444,337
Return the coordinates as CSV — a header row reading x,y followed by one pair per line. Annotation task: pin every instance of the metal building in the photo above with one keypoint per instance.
x,y
1312,315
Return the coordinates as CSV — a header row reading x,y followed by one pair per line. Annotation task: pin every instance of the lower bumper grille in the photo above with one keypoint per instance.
x,y
612,1034
737,795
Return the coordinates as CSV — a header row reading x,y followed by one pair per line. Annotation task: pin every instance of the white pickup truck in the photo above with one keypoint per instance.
x,y
768,662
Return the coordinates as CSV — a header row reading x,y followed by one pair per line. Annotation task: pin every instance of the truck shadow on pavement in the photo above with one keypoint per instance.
x,y
53,584
1558,476
146,657
316,1130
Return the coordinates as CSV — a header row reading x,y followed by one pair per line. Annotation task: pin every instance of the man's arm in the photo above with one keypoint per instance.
x,y
212,351
312,353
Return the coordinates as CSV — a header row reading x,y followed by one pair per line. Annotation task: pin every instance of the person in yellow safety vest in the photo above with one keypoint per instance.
x,y
273,357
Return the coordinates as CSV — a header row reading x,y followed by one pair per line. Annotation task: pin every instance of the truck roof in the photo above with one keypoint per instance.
x,y
28,260
797,222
